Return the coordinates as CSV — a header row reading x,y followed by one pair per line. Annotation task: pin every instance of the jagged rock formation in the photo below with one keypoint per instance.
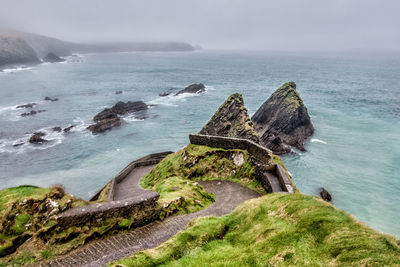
x,y
231,120
325,195
192,89
109,117
37,138
14,50
52,58
283,121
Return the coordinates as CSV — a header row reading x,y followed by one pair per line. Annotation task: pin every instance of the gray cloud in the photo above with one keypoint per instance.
x,y
224,24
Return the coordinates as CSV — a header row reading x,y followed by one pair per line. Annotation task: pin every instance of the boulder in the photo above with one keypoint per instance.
x,y
52,58
29,105
283,115
57,129
50,99
231,120
325,195
193,89
104,125
36,138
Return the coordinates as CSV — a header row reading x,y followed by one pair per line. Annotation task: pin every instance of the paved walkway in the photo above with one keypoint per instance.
x,y
129,187
100,252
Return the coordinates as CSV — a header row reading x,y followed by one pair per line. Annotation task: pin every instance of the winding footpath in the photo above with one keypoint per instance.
x,y
101,252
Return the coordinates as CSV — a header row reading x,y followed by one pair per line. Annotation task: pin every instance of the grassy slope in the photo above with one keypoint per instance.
x,y
175,177
275,230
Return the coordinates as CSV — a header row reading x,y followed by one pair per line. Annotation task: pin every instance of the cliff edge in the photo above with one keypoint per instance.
x,y
15,50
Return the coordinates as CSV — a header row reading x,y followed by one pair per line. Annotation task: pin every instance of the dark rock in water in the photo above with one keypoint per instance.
x,y
118,92
50,99
193,89
57,129
32,112
231,120
52,58
120,108
18,144
36,138
325,195
283,115
164,94
66,130
30,105
104,125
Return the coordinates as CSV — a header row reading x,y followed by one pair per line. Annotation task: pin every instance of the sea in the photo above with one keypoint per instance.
x,y
353,101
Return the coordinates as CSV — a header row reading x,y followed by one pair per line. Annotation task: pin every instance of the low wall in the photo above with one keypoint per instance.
x,y
144,161
259,152
144,210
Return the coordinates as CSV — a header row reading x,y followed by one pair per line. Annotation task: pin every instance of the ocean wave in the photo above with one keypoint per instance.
x,y
313,140
131,118
16,69
172,99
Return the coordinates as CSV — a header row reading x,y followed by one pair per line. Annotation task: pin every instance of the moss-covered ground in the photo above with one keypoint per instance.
x,y
275,230
176,177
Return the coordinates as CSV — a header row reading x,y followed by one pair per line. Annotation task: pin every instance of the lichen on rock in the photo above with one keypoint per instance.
x,y
231,120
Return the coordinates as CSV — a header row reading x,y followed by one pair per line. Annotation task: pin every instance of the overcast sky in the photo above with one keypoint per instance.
x,y
217,24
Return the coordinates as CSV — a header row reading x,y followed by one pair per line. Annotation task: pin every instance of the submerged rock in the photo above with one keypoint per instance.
x,y
29,105
52,58
283,115
193,89
67,129
50,99
325,195
104,125
118,92
164,94
32,112
36,138
231,120
57,129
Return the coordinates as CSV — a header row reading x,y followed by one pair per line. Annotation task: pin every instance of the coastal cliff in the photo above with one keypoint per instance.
x,y
15,50
283,121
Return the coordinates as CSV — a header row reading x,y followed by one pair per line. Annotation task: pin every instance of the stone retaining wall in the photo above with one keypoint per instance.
x,y
259,152
144,209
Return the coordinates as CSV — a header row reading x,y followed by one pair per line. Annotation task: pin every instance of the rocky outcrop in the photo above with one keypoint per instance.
x,y
231,120
193,89
14,50
29,105
37,138
52,58
109,117
32,112
51,99
283,121
325,195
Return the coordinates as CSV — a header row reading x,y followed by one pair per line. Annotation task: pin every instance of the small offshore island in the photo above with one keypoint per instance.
x,y
168,207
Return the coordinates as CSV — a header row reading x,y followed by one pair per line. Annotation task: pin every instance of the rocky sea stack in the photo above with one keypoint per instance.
x,y
283,121
53,58
231,120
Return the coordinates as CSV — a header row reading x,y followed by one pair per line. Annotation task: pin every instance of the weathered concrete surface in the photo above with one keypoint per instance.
x,y
100,252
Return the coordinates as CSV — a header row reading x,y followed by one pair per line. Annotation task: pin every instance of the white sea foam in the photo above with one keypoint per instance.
x,y
172,99
16,69
131,118
318,141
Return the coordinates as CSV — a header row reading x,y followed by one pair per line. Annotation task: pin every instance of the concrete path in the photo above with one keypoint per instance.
x,y
100,252
129,186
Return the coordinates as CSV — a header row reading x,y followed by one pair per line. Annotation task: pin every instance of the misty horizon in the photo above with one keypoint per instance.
x,y
235,25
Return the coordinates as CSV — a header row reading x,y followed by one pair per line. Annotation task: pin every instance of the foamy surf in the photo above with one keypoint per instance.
x,y
131,118
172,99
17,69
315,140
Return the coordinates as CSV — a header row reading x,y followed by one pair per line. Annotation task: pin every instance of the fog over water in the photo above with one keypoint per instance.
x,y
311,25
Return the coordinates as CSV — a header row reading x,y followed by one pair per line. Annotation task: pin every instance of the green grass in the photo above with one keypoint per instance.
x,y
175,178
275,230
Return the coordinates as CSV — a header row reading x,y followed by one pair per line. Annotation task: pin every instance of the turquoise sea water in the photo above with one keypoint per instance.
x,y
354,102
